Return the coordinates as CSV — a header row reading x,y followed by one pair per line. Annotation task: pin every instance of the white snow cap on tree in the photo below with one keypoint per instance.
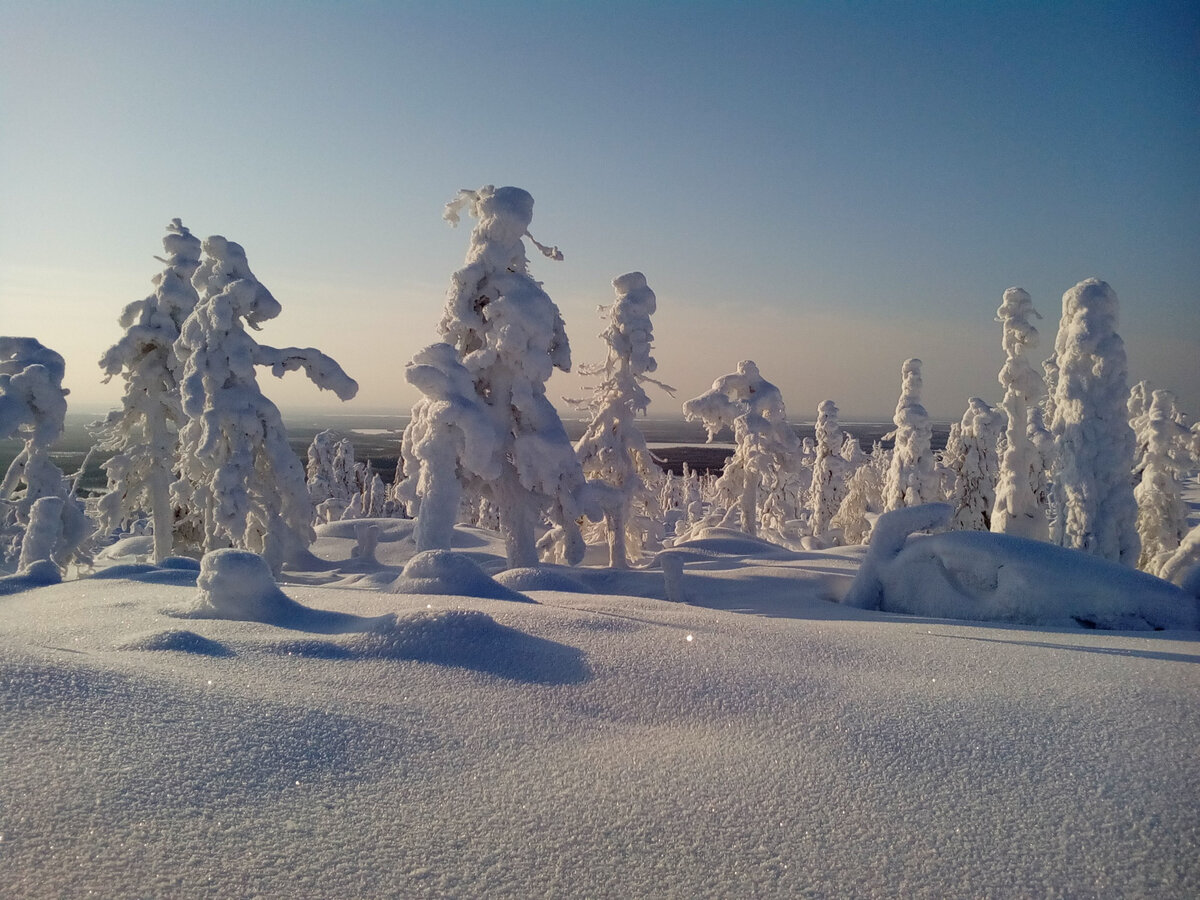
x,y
1095,510
912,479
1020,507
612,449
509,335
144,431
238,473
33,407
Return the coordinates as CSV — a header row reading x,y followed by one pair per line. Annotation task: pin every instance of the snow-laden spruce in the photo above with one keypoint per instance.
x,y
239,479
1165,460
1094,507
1020,507
764,476
612,450
509,336
40,518
828,488
450,442
912,478
144,431
971,463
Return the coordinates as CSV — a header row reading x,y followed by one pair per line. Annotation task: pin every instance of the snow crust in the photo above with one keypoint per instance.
x,y
588,745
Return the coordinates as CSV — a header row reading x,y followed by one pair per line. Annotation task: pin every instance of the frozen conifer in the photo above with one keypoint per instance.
x,y
144,431
37,504
1162,519
764,471
239,477
828,488
1095,510
509,336
971,460
612,450
912,478
1020,508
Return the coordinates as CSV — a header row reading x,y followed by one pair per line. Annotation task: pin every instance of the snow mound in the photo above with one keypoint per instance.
x,y
541,578
180,640
447,572
41,574
980,576
238,585
727,542
460,638
177,574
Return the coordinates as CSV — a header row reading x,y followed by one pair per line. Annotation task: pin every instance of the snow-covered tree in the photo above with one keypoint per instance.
x,y
238,475
612,450
971,460
144,432
339,485
1095,510
912,478
37,504
829,471
509,335
1020,509
762,480
452,440
1162,519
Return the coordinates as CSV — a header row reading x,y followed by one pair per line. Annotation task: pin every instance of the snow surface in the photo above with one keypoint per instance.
x,y
761,741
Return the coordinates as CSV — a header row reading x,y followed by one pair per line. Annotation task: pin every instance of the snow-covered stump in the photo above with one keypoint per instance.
x,y
238,585
1095,510
43,534
671,564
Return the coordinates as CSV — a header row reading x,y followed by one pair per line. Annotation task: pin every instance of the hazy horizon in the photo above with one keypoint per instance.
x,y
825,189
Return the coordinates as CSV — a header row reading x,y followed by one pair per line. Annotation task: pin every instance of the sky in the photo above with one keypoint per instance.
x,y
825,188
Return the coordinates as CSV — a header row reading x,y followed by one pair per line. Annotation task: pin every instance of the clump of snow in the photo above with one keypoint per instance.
x,y
237,584
983,576
179,640
447,572
541,578
39,574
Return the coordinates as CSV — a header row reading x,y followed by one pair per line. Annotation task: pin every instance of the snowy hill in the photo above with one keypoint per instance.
x,y
605,744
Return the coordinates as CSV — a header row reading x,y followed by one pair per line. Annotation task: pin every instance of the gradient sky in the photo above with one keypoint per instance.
x,y
825,188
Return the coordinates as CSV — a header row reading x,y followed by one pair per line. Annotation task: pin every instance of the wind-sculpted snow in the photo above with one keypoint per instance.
x,y
988,577
447,572
542,578
589,746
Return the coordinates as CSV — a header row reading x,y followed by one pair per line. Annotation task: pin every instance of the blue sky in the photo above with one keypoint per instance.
x,y
825,188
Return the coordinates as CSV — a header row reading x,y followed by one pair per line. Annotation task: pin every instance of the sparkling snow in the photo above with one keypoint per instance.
x,y
764,741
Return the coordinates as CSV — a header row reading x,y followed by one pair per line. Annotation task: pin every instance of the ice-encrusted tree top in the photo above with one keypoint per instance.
x,y
32,399
1096,511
